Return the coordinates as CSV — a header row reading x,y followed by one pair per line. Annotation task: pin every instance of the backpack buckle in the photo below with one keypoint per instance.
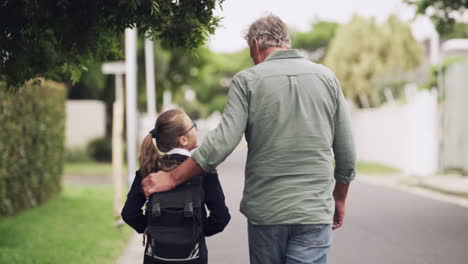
x,y
188,209
156,210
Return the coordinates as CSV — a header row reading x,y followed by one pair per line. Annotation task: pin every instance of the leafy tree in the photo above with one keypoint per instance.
x,y
214,78
443,11
91,85
174,71
317,40
455,30
364,54
209,75
205,72
55,39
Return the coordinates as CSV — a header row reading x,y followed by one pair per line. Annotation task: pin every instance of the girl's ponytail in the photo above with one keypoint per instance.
x,y
168,126
149,156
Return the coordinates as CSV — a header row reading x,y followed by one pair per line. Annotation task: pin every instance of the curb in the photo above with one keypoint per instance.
x,y
413,186
440,189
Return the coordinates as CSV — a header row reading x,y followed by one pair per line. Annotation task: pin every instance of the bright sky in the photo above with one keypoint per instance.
x,y
299,14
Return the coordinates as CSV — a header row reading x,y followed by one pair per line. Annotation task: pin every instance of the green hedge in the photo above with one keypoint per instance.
x,y
32,128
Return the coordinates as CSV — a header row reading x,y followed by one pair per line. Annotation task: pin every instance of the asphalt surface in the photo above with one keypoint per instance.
x,y
382,225
231,245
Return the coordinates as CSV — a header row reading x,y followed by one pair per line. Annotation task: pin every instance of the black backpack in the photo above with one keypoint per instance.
x,y
175,225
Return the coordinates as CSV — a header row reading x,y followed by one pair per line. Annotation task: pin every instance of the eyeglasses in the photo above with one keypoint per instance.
x,y
194,125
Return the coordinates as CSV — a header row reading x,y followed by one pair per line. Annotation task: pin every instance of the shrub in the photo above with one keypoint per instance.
x,y
31,145
74,155
100,149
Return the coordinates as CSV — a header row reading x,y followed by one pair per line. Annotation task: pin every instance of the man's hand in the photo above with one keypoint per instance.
x,y
160,181
338,218
339,195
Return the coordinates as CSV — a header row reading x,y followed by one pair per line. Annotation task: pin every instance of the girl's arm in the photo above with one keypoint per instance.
x,y
132,213
214,199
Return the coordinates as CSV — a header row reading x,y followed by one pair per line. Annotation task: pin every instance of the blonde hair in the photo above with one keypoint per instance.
x,y
169,126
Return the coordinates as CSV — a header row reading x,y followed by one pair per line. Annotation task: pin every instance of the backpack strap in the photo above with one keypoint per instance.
x,y
155,206
188,206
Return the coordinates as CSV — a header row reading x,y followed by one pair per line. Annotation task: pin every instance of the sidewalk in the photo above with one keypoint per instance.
x,y
448,188
449,184
133,252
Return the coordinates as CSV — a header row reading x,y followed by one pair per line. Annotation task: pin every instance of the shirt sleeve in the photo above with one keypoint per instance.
x,y
219,215
343,141
221,141
132,214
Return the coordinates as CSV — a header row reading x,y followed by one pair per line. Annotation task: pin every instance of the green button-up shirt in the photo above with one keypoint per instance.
x,y
295,120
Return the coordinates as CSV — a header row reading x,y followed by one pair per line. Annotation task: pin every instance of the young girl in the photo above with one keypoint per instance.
x,y
174,134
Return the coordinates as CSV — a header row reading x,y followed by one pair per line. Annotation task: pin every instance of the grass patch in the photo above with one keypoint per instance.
x,y
75,227
370,168
89,168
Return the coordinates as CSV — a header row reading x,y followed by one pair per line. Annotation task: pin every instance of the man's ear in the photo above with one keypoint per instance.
x,y
255,51
256,45
183,141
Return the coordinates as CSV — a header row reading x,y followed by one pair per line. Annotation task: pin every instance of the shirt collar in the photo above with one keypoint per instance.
x,y
284,54
179,151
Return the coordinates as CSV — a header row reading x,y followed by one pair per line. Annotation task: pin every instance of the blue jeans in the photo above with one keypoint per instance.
x,y
289,244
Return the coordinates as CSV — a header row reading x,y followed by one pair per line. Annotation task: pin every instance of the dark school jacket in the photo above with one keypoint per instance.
x,y
132,212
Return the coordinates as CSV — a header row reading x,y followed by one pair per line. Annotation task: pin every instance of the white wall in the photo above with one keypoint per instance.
x,y
401,136
455,118
85,121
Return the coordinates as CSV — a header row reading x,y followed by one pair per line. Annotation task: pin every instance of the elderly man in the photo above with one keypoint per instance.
x,y
295,120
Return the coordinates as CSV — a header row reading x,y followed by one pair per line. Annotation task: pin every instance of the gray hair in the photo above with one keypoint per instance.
x,y
269,31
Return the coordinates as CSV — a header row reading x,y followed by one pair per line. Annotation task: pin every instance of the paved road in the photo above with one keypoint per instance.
x,y
382,226
230,246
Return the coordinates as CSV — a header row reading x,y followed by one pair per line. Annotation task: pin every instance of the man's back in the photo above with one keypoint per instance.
x,y
293,113
290,130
